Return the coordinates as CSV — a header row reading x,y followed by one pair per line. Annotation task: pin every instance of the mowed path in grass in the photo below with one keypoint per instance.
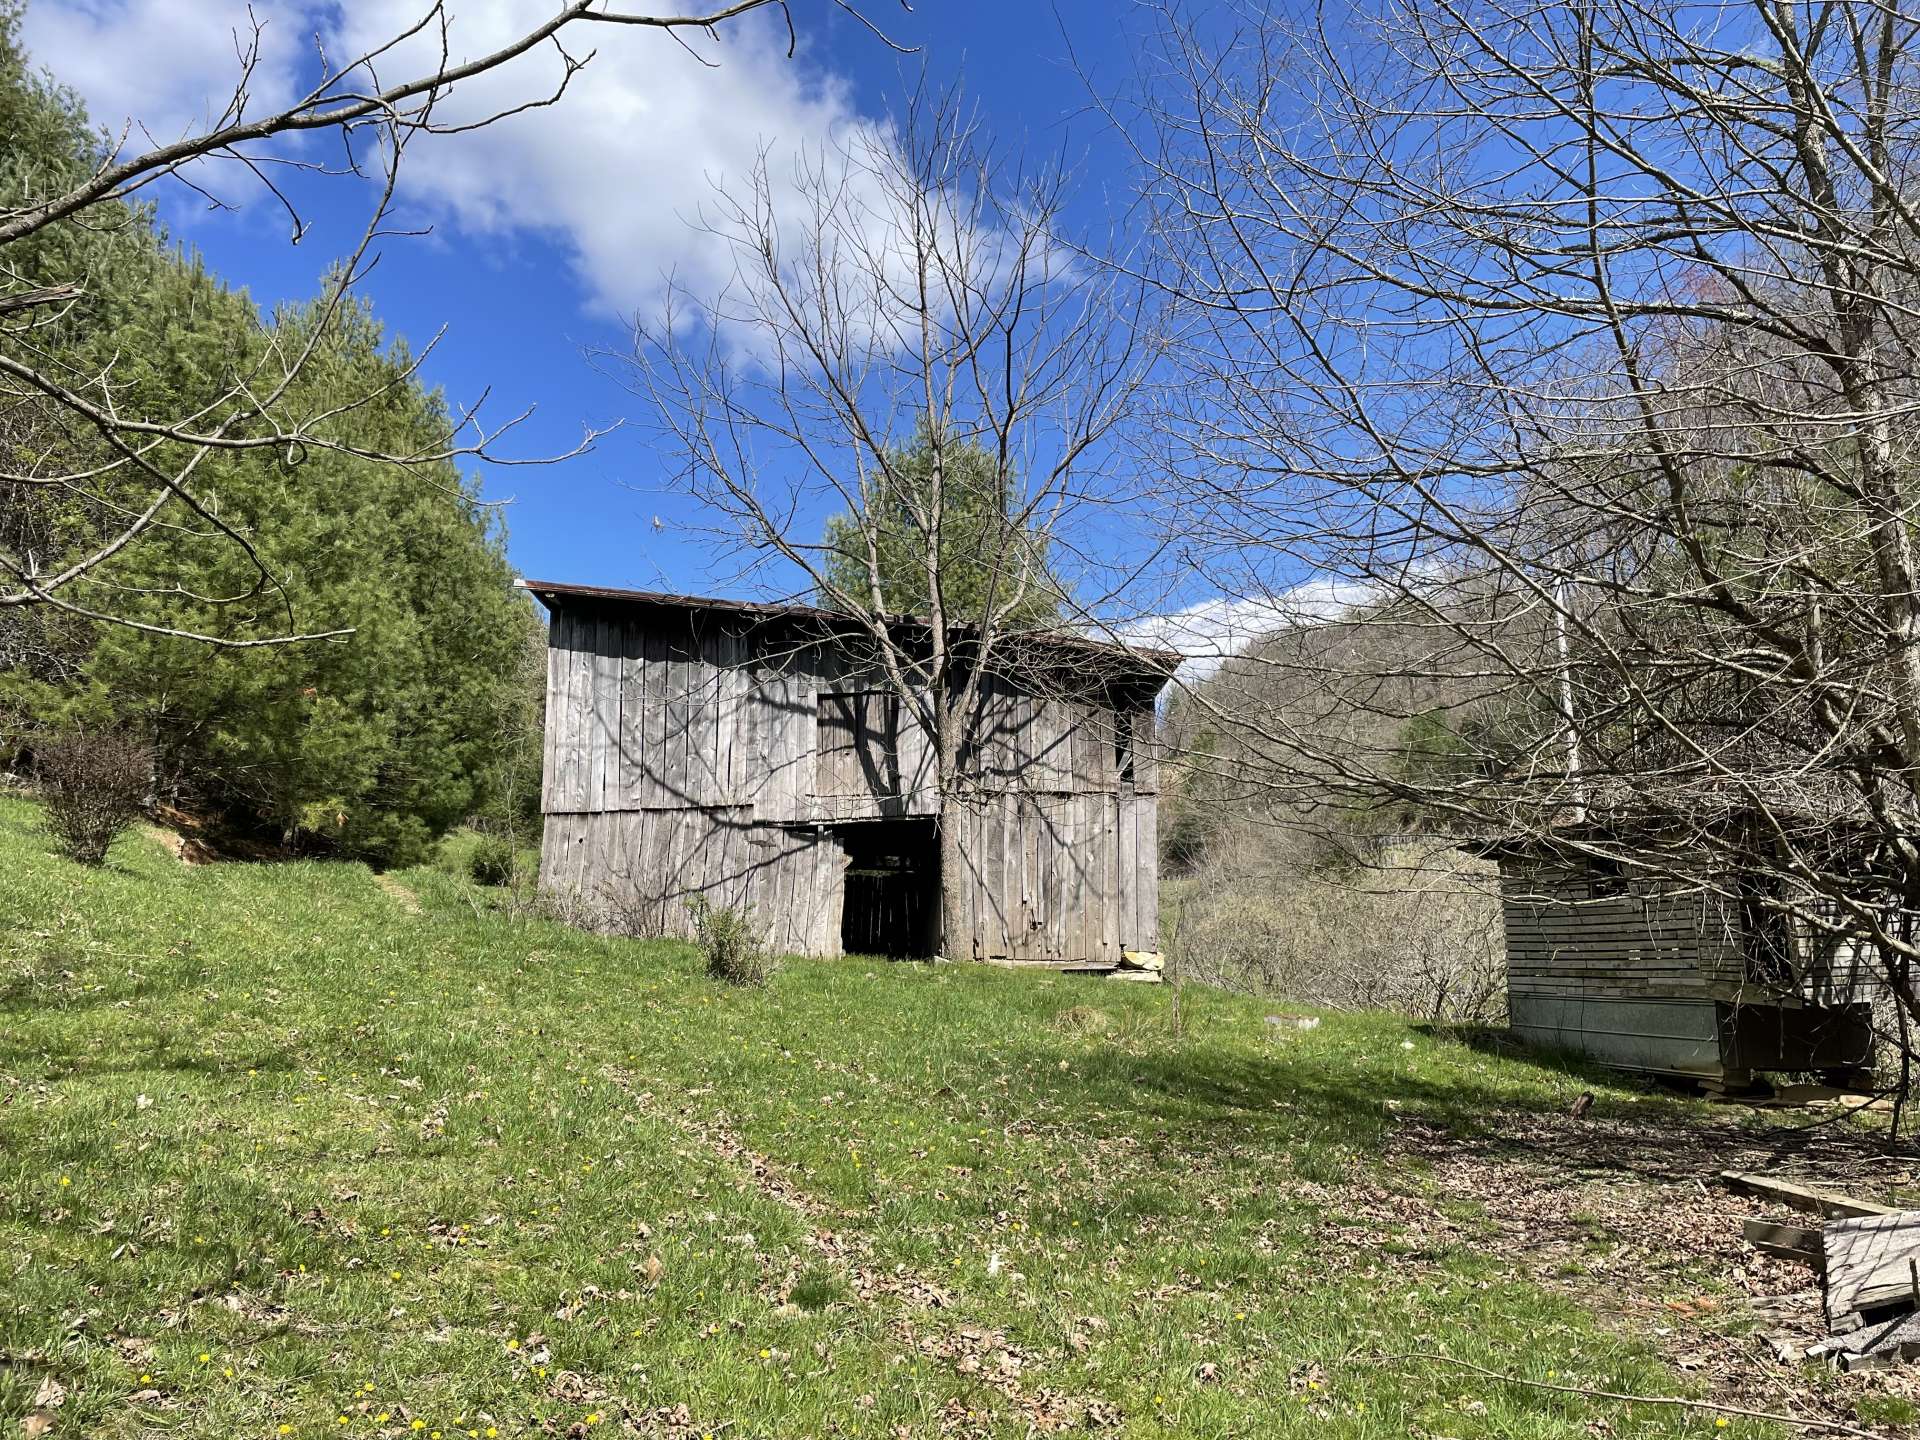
x,y
280,1157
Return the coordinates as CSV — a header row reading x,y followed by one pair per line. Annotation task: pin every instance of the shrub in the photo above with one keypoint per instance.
x,y
93,785
734,953
491,862
1417,930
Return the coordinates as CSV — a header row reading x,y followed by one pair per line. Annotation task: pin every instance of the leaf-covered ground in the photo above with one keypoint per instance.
x,y
282,1155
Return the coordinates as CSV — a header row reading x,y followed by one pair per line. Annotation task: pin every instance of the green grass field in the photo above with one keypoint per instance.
x,y
281,1155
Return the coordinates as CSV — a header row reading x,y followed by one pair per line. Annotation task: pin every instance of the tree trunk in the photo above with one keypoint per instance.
x,y
956,938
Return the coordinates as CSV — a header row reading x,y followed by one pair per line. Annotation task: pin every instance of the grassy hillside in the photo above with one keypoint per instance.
x,y
291,1151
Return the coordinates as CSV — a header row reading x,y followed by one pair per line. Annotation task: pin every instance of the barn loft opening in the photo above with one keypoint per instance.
x,y
892,887
1123,751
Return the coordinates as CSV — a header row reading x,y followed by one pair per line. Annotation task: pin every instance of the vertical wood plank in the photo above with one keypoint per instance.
x,y
633,712
1109,877
555,704
652,717
1147,871
603,782
577,716
679,720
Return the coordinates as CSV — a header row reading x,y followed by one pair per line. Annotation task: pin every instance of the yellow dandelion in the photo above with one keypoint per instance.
x,y
204,1357
381,1418
66,1180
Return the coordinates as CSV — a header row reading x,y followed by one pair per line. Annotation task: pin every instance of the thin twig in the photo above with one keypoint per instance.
x,y
1805,1422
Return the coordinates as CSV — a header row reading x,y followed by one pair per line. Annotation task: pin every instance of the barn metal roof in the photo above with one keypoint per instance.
x,y
1147,658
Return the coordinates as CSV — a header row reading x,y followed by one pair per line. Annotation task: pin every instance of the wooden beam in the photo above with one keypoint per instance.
x,y
1801,1197
1786,1242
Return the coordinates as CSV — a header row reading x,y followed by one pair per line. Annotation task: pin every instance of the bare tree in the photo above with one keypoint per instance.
x,y
920,331
141,470
1581,341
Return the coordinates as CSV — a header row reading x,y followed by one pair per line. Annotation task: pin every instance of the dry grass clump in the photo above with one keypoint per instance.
x,y
1083,1020
732,948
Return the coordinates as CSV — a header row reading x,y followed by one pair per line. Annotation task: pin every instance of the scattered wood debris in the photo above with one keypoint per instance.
x,y
1621,1209
1873,1266
1142,965
1868,1256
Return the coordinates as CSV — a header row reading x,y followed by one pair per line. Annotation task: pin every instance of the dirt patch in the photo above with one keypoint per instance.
x,y
979,1355
406,899
174,843
1627,1216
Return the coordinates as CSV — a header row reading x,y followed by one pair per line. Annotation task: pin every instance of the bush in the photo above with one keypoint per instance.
x,y
1417,931
734,953
94,786
491,862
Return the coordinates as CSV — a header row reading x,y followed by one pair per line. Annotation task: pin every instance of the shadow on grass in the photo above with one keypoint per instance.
x,y
1501,1043
1212,1107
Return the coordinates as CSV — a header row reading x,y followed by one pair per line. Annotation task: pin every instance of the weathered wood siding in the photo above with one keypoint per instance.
x,y
1564,940
1643,976
1061,878
637,869
696,752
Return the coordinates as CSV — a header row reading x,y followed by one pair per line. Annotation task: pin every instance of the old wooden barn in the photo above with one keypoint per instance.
x,y
754,755
1642,970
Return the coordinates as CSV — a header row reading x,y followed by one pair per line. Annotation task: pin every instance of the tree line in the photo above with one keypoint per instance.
x,y
372,741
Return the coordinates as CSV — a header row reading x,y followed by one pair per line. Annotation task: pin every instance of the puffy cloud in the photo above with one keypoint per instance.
x,y
619,173
169,67
1211,631
625,167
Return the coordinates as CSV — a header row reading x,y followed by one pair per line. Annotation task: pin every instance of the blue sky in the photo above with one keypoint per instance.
x,y
548,228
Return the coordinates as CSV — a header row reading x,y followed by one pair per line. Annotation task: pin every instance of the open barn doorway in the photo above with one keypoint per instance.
x,y
892,895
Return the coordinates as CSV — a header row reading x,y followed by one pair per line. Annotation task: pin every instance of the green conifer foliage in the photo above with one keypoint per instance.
x,y
983,552
372,744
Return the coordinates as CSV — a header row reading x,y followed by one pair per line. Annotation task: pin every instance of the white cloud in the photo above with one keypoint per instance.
x,y
622,170
615,173
1211,631
168,66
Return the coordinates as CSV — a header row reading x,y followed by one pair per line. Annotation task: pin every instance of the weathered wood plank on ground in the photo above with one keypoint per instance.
x,y
1802,1197
1873,1262
1786,1242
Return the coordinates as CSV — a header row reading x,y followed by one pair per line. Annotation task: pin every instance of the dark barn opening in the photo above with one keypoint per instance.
x,y
892,887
